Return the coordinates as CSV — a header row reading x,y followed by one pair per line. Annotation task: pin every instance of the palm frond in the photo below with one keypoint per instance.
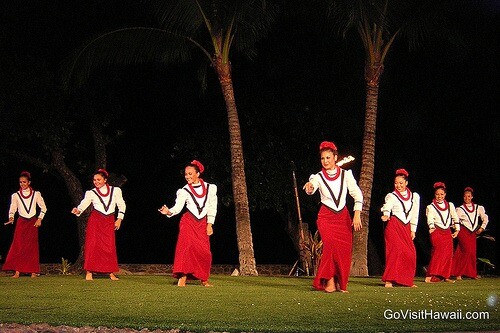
x,y
128,46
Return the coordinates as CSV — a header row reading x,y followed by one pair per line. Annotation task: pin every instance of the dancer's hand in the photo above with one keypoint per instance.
x,y
210,229
309,188
479,231
164,210
455,234
412,235
38,223
76,211
385,218
356,220
10,221
118,223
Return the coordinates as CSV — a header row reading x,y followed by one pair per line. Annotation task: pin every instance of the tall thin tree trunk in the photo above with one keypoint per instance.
x,y
242,211
75,190
360,244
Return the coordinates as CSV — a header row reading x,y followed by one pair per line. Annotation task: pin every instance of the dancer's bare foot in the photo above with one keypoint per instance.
x,y
88,276
449,280
459,277
330,286
428,279
206,284
182,281
414,286
16,275
388,284
477,277
344,291
34,275
113,277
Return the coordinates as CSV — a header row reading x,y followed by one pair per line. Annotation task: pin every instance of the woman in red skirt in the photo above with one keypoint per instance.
x,y
23,256
400,211
193,257
334,222
464,258
441,218
100,247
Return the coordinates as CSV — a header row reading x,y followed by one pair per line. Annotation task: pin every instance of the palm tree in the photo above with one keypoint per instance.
x,y
378,23
215,27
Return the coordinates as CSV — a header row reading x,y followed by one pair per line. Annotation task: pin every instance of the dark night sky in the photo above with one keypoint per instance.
x,y
437,118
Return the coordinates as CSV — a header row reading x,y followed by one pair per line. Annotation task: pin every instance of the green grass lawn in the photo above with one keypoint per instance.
x,y
236,304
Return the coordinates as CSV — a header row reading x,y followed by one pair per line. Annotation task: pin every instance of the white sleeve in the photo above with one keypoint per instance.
x,y
314,180
41,203
180,201
212,204
454,217
87,200
354,191
13,205
120,203
389,203
415,212
430,212
484,217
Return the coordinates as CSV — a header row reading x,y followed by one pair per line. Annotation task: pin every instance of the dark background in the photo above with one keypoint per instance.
x,y
437,118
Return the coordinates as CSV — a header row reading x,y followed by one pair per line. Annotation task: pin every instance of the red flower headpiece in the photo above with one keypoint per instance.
x,y
104,172
402,172
439,185
199,165
468,189
25,174
327,144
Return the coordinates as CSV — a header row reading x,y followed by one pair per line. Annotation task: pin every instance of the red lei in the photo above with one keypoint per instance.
x,y
467,208
330,178
203,187
29,195
446,205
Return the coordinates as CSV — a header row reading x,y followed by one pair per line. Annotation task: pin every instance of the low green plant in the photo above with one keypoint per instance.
x,y
65,267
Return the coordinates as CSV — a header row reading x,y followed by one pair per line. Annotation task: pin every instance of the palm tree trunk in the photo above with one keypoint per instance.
x,y
360,245
242,211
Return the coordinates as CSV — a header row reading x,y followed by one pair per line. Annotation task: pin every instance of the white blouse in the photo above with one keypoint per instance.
x,y
470,220
26,207
405,210
104,204
334,192
199,207
442,219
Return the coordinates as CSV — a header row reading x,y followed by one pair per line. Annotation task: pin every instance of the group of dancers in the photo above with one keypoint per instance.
x,y
197,200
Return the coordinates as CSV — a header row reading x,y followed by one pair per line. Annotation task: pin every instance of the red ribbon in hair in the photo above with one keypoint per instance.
x,y
25,174
468,189
439,184
104,172
402,172
199,165
327,144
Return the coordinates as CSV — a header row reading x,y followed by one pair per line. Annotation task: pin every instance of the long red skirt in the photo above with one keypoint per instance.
x,y
464,258
192,252
100,248
335,230
441,254
24,254
400,253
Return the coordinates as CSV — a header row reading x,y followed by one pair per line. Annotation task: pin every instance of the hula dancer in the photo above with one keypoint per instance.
x,y
24,256
400,211
441,217
334,222
464,258
193,258
100,247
